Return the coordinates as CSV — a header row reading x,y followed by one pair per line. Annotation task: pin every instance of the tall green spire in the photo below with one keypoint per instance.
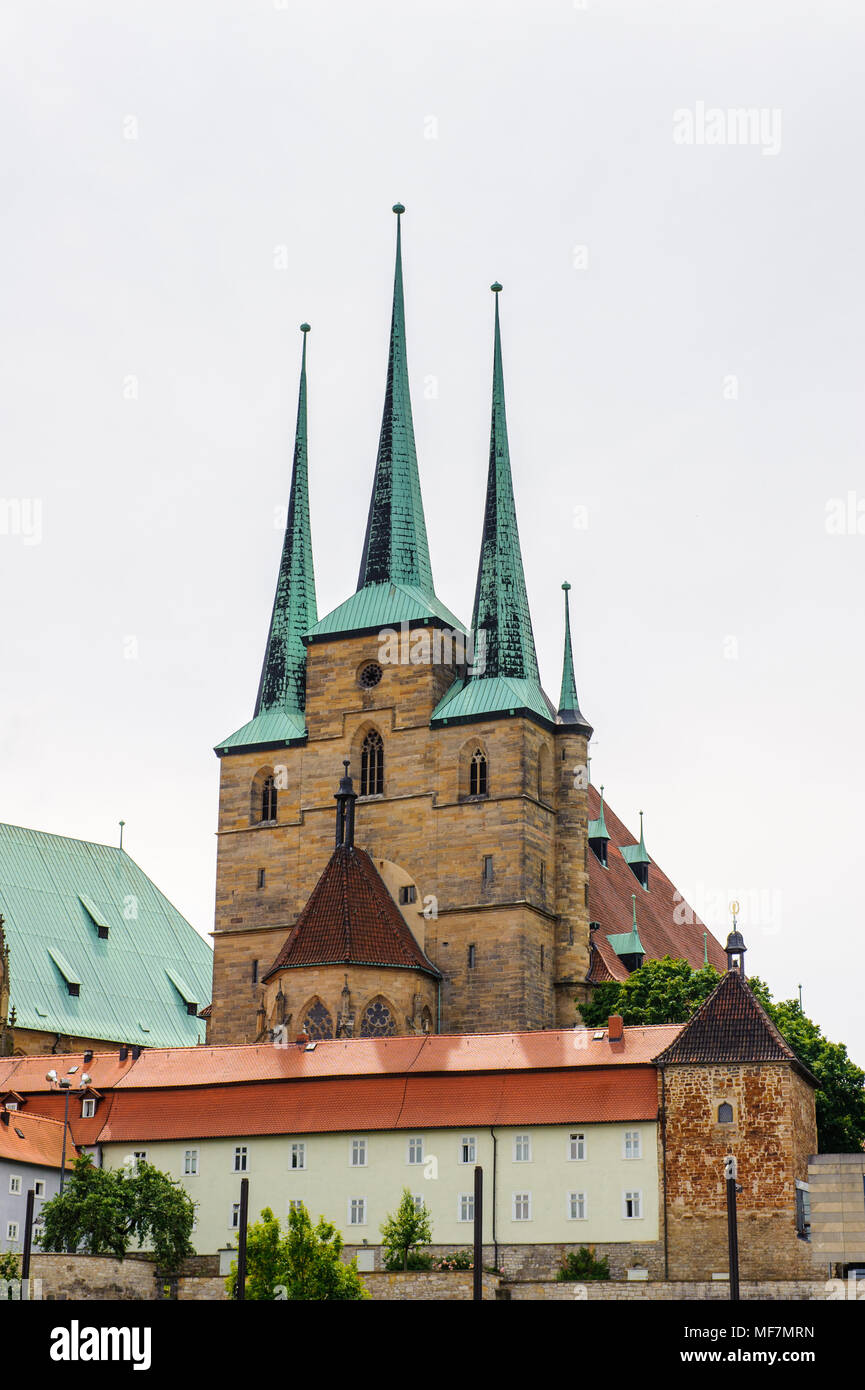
x,y
281,701
395,549
501,611
503,678
283,675
569,705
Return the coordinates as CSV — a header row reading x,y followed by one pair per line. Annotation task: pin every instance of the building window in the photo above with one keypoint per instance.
x,y
632,1143
418,1203
15,1185
12,1230
377,1021
468,1149
632,1206
234,1219
268,800
318,1023
408,893
357,1211
522,1148
576,1206
139,1157
466,1207
39,1187
297,1157
358,1153
522,1206
88,1108
488,868
725,1113
294,1204
478,774
261,877
372,765
240,1159
803,1210
415,1149
577,1146
190,1162
472,954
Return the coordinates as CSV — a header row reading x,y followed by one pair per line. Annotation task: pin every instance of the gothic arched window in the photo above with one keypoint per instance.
x,y
262,797
372,765
317,1021
377,1021
725,1114
478,773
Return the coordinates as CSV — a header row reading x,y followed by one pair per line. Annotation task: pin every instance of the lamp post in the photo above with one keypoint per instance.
x,y
64,1084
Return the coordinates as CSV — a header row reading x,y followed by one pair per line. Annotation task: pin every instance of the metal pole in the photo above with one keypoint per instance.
x,y
28,1234
65,1126
478,1282
730,1172
241,1245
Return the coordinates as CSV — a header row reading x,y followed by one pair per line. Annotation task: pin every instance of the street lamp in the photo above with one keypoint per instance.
x,y
64,1084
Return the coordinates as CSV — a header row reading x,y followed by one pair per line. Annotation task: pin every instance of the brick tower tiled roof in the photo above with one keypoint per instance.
x,y
731,1026
351,919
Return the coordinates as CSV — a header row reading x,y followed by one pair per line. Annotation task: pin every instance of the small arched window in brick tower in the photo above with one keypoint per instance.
x,y
372,765
725,1114
478,773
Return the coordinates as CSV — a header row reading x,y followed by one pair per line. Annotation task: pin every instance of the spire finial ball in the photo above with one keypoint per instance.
x,y
566,586
304,328
398,208
495,287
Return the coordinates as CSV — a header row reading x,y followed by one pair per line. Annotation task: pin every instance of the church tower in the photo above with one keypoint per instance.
x,y
472,789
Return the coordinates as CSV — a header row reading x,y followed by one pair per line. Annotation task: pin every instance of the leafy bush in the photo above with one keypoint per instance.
x,y
393,1260
582,1265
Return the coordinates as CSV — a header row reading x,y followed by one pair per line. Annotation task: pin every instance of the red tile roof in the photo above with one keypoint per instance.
x,y
42,1142
386,1102
351,918
564,1048
667,925
731,1026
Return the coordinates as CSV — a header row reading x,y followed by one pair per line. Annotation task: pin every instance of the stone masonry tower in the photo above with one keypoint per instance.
x,y
472,789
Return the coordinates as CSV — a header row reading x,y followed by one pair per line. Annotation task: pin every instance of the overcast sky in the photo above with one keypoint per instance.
x,y
184,183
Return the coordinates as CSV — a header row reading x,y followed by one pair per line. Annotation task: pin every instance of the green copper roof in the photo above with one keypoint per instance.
x,y
598,828
281,697
569,706
380,606
480,698
636,854
395,548
628,943
501,623
54,894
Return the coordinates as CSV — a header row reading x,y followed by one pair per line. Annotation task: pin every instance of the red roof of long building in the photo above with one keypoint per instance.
x,y
667,925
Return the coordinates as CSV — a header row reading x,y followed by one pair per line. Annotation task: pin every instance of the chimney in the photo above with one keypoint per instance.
x,y
136,1052
4,1116
124,1052
88,1057
615,1028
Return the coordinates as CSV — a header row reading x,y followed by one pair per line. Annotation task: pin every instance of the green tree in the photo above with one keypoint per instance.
x,y
403,1232
669,991
102,1210
304,1263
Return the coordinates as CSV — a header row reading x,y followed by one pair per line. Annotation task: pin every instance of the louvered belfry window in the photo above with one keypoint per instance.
x,y
372,765
478,774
